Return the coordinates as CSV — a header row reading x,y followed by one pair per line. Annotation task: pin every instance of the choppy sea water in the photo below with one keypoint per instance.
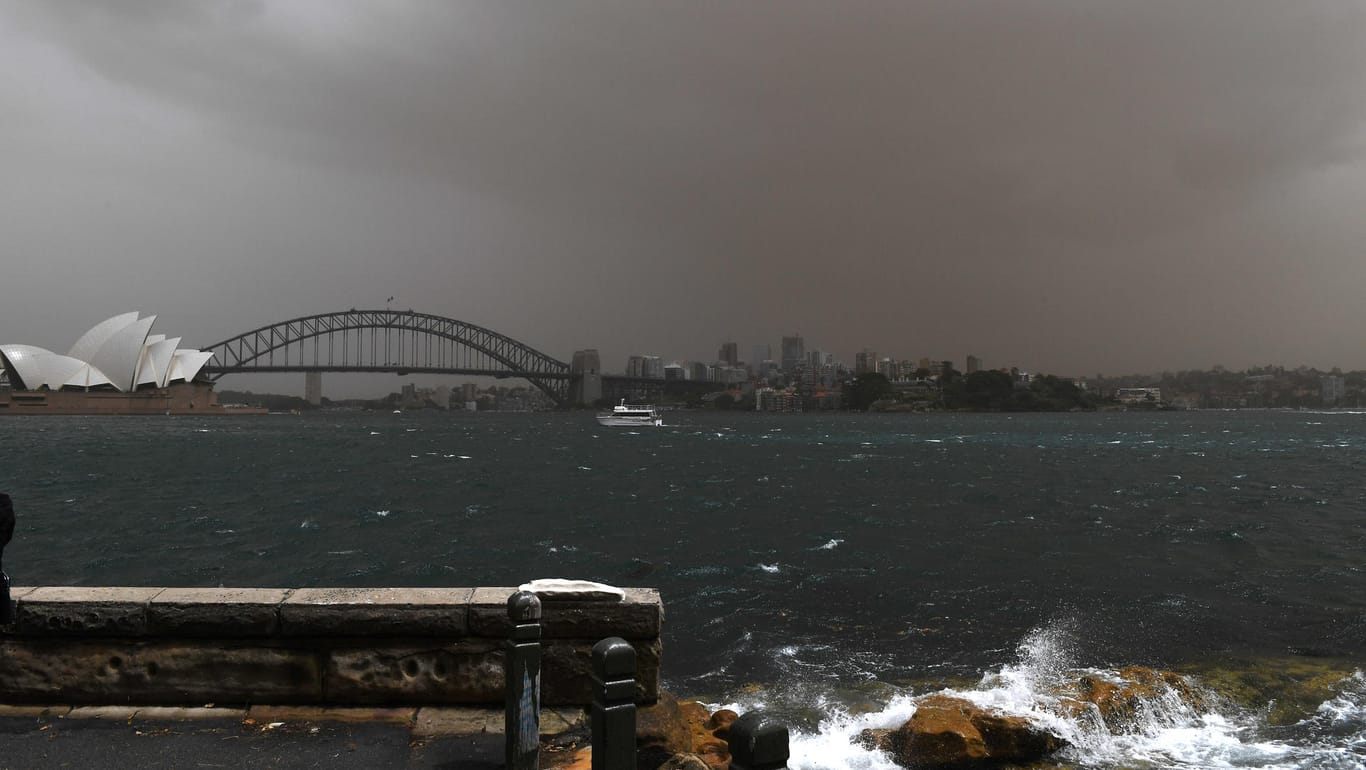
x,y
830,568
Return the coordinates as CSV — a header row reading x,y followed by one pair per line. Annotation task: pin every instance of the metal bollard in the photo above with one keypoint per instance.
x,y
614,705
6,534
757,743
522,683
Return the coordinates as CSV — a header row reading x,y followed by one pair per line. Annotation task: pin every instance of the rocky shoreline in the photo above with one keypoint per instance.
x,y
949,730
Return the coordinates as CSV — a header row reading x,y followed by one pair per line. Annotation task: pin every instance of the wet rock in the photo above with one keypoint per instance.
x,y
947,732
874,739
1123,702
685,762
661,732
720,723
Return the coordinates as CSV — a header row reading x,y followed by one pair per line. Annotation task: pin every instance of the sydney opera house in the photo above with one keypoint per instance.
x,y
118,367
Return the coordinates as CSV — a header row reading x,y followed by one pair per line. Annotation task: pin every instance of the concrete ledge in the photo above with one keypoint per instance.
x,y
439,612
100,610
230,612
319,646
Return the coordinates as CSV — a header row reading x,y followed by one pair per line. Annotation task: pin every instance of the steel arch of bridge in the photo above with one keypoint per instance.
x,y
401,341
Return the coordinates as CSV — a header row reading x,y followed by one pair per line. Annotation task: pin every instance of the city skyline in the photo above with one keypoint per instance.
x,y
1064,186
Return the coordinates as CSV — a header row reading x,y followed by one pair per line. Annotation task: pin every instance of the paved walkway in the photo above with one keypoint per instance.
x,y
267,737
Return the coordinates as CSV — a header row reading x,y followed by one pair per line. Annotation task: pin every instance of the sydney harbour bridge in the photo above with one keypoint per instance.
x,y
408,342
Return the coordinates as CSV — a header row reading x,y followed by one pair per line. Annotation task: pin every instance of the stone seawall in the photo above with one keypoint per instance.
x,y
323,646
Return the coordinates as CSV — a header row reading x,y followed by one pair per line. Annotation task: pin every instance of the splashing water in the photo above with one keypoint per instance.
x,y
1165,730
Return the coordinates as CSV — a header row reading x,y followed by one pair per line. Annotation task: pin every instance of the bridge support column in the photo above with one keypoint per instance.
x,y
585,378
313,388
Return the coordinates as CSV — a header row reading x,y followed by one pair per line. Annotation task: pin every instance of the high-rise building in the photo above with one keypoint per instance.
x,y
974,364
758,355
635,366
794,353
865,362
729,354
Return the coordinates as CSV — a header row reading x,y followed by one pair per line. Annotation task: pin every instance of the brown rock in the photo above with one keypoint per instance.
x,y
947,732
939,734
874,739
1120,704
661,732
716,753
720,722
685,762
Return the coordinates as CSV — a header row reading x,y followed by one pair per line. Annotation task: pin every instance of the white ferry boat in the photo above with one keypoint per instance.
x,y
626,415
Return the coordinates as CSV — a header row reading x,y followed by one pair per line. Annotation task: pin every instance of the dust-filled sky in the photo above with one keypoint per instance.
x,y
1069,187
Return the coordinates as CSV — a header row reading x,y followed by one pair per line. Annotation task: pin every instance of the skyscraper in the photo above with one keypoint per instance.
x,y
729,354
865,362
974,364
758,355
794,353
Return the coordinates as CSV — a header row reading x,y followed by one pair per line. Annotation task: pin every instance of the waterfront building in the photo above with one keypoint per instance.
x,y
118,354
675,371
1332,388
774,400
1138,395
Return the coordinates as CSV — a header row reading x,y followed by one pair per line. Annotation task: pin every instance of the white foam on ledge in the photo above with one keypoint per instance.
x,y
560,589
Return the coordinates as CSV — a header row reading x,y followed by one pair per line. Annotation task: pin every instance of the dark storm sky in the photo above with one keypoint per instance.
x,y
1070,187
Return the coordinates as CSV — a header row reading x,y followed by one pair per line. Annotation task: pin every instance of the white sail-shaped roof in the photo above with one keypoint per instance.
x,y
87,377
90,342
118,357
187,364
156,360
37,366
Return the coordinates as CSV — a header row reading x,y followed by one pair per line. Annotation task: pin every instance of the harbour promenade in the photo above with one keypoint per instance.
x,y
328,677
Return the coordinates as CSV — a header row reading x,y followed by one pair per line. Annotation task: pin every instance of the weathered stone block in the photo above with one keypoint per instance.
x,y
567,672
428,612
189,714
225,613
639,616
463,672
55,670
435,721
85,611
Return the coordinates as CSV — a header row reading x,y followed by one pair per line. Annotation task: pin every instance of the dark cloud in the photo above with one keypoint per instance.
x,y
1073,186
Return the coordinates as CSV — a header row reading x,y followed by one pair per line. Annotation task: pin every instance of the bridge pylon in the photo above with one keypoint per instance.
x,y
585,378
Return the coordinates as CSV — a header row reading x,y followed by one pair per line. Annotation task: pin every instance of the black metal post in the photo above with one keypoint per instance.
x,y
614,705
522,676
757,743
6,534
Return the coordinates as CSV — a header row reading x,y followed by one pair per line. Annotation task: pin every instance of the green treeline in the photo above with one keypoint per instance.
x,y
985,391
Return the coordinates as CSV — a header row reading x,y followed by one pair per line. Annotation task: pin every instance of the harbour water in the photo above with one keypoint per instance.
x,y
830,568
